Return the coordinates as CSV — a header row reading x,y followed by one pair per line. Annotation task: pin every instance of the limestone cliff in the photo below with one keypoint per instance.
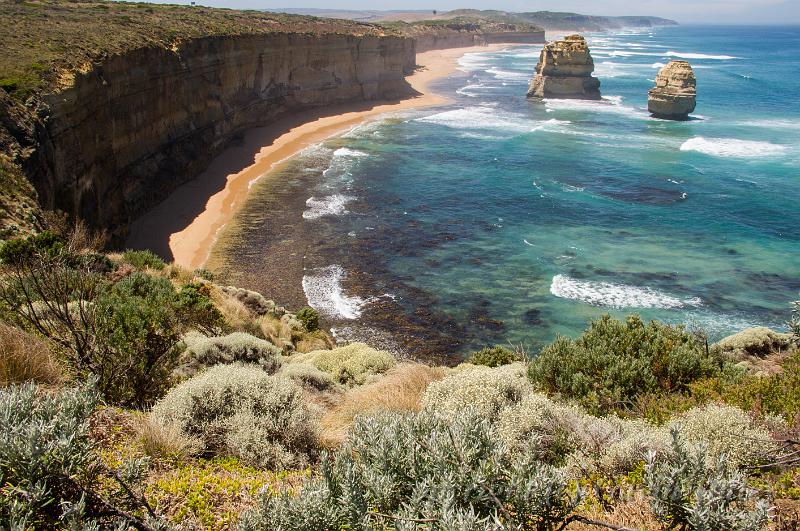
x,y
675,94
565,71
106,135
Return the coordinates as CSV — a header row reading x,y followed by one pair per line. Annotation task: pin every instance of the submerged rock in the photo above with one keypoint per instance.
x,y
565,71
675,93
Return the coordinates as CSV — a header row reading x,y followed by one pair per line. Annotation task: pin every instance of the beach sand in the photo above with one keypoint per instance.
x,y
185,226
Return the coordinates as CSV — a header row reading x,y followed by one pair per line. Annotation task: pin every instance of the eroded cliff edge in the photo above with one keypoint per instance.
x,y
140,124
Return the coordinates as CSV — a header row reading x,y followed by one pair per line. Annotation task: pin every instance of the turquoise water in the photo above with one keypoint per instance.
x,y
501,220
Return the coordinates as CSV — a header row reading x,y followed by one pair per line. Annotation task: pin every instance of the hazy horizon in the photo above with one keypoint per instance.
x,y
684,11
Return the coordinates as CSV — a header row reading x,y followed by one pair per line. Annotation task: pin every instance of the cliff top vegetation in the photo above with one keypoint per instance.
x,y
481,24
44,40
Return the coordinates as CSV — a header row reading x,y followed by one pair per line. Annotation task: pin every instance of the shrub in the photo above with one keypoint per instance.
x,y
486,390
399,389
25,358
138,329
203,352
686,494
422,466
20,250
349,365
309,376
309,317
794,321
205,274
759,342
50,473
144,260
243,411
563,434
254,301
726,431
44,444
614,361
197,309
494,356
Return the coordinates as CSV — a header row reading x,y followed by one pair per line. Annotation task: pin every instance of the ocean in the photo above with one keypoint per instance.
x,y
498,220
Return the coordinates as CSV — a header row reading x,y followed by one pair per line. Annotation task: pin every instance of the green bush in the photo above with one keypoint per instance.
x,y
349,365
16,250
396,468
309,376
138,330
194,303
486,390
613,362
494,356
241,410
144,259
203,352
794,322
310,318
686,494
759,341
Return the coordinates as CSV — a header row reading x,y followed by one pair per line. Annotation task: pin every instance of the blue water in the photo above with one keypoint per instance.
x,y
500,220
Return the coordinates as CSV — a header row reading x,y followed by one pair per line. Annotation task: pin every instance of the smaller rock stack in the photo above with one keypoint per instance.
x,y
565,71
675,93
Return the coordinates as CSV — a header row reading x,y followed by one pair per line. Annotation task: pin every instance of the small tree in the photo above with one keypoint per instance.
x,y
794,322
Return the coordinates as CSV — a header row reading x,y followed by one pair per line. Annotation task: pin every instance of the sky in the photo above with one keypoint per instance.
x,y
686,11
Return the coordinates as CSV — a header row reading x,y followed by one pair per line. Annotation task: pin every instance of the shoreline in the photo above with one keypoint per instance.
x,y
183,228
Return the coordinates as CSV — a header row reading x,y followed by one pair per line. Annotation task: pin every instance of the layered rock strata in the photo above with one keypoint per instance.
x,y
134,127
675,95
565,71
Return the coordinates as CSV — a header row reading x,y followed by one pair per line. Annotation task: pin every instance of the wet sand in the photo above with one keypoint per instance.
x,y
185,226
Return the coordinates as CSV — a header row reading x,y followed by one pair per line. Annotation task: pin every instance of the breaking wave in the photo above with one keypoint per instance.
x,y
332,205
685,55
732,147
323,289
615,295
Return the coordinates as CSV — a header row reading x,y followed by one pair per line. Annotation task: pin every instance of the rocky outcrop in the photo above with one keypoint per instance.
x,y
675,94
134,127
565,71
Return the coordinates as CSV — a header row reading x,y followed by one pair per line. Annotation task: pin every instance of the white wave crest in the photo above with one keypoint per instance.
x,y
657,65
323,289
686,55
732,147
609,104
508,74
332,205
483,118
615,295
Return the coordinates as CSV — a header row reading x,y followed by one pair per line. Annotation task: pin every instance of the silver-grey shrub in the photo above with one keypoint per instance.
x,y
395,468
243,411
44,443
686,494
202,352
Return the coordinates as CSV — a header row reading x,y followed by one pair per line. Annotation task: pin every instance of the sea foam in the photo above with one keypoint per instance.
x,y
615,295
323,289
686,55
732,147
332,205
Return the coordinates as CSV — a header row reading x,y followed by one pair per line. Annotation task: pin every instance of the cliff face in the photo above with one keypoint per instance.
x,y
675,93
436,41
565,71
137,125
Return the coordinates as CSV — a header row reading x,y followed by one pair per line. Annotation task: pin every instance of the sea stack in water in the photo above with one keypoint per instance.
x,y
565,71
675,93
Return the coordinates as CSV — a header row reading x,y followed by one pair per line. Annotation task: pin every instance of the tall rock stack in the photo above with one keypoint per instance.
x,y
675,93
565,71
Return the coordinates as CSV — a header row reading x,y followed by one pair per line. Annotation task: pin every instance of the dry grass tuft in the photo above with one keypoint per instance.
x,y
164,441
633,513
25,358
400,389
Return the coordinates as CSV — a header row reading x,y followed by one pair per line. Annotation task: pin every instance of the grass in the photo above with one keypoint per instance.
x,y
25,358
400,389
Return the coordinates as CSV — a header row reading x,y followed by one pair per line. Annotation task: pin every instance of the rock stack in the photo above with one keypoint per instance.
x,y
675,93
565,71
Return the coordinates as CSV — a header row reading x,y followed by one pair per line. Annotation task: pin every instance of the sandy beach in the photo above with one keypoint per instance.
x,y
185,226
